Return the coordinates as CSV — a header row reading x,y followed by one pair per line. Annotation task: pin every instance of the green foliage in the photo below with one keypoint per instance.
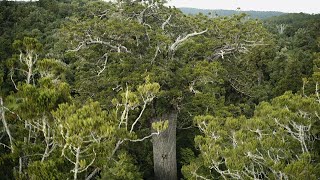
x,y
187,156
32,100
122,169
57,54
51,68
160,126
48,170
27,44
77,123
274,143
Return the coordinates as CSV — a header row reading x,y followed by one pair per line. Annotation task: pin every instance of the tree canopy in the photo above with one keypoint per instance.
x,y
139,90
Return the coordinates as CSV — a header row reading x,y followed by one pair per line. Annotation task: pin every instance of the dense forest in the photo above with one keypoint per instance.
x,y
223,12
134,89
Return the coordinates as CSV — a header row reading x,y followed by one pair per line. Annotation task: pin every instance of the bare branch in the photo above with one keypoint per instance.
x,y
142,14
93,174
68,158
103,14
95,155
6,146
80,45
116,148
11,77
138,118
119,48
5,124
298,132
199,176
180,40
123,119
185,128
144,138
281,28
166,22
76,164
104,65
155,54
317,92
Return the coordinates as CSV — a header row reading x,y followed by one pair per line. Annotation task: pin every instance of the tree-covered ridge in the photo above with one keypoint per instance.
x,y
222,12
138,90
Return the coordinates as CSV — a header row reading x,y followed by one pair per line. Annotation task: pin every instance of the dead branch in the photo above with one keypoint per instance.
x,y
180,40
165,23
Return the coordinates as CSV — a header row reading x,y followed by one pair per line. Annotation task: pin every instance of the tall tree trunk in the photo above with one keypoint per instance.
x,y
164,150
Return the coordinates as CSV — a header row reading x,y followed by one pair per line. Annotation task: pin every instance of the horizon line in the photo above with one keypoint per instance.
x,y
292,12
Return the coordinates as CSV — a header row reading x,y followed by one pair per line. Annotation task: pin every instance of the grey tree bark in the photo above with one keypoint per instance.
x,y
164,150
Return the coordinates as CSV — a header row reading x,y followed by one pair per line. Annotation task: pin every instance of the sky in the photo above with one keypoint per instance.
x,y
306,6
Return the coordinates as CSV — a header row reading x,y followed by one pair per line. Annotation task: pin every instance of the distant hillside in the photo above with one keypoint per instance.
x,y
220,12
295,23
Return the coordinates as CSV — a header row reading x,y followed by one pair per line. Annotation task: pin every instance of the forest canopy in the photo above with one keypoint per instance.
x,y
133,89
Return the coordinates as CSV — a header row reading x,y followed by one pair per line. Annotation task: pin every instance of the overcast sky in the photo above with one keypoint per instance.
x,y
307,6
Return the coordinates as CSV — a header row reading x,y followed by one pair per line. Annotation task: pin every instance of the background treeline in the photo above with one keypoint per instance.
x,y
138,90
223,12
